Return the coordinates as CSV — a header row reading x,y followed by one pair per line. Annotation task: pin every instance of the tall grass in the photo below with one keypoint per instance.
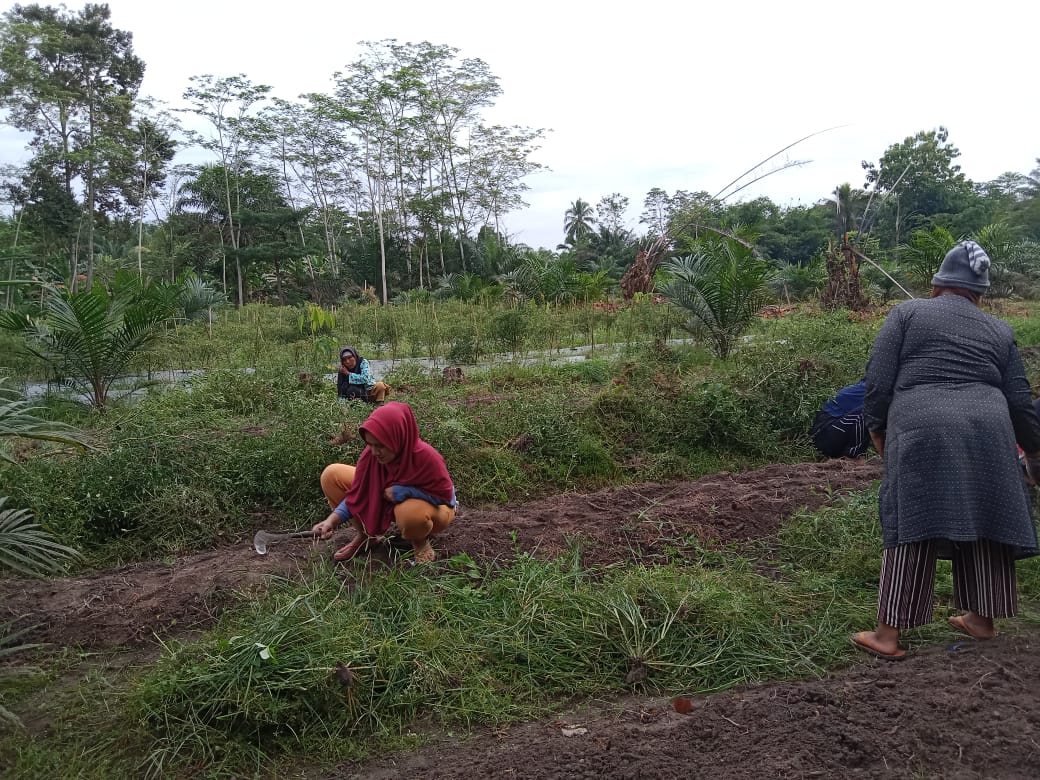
x,y
332,670
329,670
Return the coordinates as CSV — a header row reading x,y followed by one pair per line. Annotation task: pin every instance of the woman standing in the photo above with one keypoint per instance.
x,y
947,398
399,478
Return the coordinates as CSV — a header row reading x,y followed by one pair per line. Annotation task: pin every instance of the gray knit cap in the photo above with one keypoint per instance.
x,y
966,266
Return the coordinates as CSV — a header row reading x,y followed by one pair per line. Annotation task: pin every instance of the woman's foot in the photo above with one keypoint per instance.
x,y
423,552
879,645
351,548
974,625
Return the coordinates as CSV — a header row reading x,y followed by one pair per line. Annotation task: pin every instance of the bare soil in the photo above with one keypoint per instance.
x,y
137,604
963,710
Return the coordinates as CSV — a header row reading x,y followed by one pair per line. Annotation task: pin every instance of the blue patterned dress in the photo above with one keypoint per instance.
x,y
946,384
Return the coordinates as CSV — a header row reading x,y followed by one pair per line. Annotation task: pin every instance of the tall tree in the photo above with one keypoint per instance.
x,y
227,104
921,174
848,203
610,212
579,221
70,79
657,209
151,147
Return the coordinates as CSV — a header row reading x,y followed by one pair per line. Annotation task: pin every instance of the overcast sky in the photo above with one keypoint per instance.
x,y
657,93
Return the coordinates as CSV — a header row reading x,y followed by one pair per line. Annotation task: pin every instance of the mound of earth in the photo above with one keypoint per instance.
x,y
636,522
967,710
135,604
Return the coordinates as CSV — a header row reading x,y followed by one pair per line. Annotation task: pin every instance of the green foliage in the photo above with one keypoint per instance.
x,y
721,287
18,419
315,321
324,669
921,257
10,677
842,542
25,547
89,338
509,330
800,282
180,468
921,183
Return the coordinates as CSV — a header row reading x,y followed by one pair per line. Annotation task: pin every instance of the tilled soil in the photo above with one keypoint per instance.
x,y
966,710
137,604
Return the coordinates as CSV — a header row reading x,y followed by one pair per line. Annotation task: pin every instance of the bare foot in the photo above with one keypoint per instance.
x,y
876,645
974,625
423,552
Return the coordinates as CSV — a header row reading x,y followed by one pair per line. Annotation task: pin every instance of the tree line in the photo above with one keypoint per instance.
x,y
393,185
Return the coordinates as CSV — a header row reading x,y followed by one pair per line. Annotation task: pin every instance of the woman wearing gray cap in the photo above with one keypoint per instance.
x,y
947,399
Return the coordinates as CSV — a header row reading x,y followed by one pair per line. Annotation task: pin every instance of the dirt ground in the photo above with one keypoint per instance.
x,y
966,710
963,710
135,604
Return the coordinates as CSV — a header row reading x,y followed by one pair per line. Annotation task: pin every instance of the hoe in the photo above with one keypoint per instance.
x,y
264,538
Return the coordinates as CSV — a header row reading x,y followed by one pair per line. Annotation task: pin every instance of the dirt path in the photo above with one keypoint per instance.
x,y
135,604
967,710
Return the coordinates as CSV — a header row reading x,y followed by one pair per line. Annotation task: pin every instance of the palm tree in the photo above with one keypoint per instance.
x,y
846,201
578,221
90,337
920,258
544,278
721,286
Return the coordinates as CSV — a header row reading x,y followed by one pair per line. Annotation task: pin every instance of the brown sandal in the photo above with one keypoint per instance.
x,y
959,623
859,641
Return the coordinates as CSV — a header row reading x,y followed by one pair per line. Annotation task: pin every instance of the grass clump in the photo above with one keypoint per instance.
x,y
332,670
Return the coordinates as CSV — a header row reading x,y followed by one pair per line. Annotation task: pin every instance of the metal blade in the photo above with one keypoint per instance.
x,y
260,542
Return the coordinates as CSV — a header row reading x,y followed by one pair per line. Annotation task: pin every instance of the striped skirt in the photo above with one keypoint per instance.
x,y
983,581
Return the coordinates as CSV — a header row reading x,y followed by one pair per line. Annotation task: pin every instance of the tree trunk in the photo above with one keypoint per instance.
x,y
843,288
639,278
90,197
140,221
14,249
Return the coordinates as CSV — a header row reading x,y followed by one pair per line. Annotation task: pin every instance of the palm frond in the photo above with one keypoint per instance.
x,y
721,288
18,419
26,548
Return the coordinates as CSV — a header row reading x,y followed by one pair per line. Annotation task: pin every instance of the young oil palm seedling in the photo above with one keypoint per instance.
x,y
90,337
720,287
25,547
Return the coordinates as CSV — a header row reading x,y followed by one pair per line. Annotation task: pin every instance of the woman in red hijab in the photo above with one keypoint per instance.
x,y
399,478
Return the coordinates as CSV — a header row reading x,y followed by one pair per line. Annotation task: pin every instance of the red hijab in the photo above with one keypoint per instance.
x,y
417,465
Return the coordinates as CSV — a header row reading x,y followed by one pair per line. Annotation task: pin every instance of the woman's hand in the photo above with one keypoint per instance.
x,y
388,494
878,437
327,527
1032,464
